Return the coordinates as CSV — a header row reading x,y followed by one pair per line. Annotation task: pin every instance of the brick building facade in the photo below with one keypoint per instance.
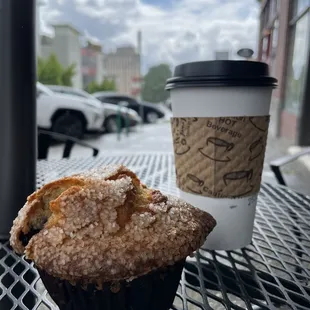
x,y
284,43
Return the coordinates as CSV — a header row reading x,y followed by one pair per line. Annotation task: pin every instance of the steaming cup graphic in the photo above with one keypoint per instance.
x,y
254,123
216,149
243,176
240,179
256,149
220,143
181,146
195,186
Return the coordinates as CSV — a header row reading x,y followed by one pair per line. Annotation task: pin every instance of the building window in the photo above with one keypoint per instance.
x,y
269,22
266,47
266,14
274,44
298,59
300,6
272,11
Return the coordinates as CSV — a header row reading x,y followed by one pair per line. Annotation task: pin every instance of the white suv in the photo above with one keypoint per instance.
x,y
67,114
111,111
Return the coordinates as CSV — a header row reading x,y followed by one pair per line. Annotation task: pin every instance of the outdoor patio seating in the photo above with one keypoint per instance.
x,y
47,138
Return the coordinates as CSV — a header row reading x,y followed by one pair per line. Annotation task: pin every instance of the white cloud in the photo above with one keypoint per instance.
x,y
185,30
91,38
48,17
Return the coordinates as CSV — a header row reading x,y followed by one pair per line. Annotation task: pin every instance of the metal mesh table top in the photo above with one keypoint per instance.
x,y
272,273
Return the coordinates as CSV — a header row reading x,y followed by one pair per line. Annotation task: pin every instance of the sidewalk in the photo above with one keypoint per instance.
x,y
157,138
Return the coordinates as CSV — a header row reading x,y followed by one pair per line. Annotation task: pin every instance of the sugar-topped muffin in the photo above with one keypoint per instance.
x,y
105,226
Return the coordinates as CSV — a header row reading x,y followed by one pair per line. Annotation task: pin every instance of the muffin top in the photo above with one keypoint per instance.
x,y
105,225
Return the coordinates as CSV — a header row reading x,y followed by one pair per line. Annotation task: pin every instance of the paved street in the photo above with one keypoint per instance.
x,y
157,138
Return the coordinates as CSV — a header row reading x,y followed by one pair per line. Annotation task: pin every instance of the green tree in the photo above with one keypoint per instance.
x,y
105,85
92,87
67,75
50,71
153,89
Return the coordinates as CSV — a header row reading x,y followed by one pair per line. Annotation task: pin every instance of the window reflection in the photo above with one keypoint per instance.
x,y
297,65
274,45
301,6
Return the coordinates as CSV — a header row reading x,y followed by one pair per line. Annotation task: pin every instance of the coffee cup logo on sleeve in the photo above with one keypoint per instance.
x,y
219,157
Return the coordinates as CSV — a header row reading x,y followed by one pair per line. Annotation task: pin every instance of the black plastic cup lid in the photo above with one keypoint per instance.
x,y
221,73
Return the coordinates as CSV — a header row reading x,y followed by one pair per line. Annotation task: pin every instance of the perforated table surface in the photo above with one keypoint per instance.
x,y
272,273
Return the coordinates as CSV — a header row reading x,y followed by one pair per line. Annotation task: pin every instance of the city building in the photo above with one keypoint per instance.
x,y
66,46
284,43
124,66
92,63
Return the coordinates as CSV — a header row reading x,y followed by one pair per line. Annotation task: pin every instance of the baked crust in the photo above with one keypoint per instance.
x,y
105,225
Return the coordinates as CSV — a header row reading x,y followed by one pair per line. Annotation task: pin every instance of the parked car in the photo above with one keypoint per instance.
x,y
111,113
149,112
110,110
67,114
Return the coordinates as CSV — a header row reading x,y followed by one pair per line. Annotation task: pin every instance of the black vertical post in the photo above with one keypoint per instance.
x,y
17,108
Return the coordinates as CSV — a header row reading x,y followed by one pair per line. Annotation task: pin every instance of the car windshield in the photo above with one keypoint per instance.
x,y
73,92
84,94
44,89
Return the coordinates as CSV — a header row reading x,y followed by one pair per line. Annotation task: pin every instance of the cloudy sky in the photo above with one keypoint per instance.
x,y
173,31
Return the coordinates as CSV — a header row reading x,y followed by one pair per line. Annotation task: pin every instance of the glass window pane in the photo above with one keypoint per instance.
x,y
267,10
299,6
302,5
273,10
109,100
297,64
274,45
266,48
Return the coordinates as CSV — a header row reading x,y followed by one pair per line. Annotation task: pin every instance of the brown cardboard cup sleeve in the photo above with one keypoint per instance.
x,y
220,157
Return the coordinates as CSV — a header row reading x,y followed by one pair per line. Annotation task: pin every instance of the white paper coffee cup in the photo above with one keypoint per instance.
x,y
227,89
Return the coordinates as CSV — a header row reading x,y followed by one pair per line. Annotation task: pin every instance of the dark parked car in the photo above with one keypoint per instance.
x,y
149,112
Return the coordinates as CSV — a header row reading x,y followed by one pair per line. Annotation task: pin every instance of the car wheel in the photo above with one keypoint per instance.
x,y
111,124
69,124
151,117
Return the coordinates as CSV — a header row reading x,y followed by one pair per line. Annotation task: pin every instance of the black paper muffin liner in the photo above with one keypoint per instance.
x,y
153,291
